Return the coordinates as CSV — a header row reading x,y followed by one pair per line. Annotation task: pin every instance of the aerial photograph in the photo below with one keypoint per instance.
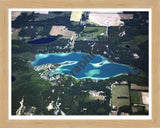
x,y
79,62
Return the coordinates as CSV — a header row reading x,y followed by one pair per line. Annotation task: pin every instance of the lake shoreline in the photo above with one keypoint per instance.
x,y
95,69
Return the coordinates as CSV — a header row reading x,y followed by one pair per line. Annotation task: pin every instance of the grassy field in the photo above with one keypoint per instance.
x,y
76,16
93,33
120,95
136,97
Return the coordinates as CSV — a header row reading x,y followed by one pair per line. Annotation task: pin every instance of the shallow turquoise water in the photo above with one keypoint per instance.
x,y
83,65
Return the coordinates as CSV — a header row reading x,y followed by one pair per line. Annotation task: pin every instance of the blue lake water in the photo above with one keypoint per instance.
x,y
42,41
82,65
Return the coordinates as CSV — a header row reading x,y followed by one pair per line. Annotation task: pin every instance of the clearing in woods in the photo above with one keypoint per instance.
x,y
138,87
76,16
92,33
62,30
136,97
15,33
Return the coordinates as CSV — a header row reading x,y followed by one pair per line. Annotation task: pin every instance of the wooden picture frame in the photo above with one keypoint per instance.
x,y
4,63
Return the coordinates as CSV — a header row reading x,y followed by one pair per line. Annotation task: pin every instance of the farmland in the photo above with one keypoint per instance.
x,y
108,18
137,87
62,30
93,33
120,95
76,16
105,19
136,97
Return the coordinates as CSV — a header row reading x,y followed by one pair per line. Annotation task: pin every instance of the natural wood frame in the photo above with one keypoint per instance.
x,y
6,4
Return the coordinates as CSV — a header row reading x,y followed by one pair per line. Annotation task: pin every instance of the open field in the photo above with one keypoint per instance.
x,y
137,87
126,16
136,97
145,98
41,12
92,33
15,14
76,16
137,108
15,33
62,30
120,95
108,18
105,19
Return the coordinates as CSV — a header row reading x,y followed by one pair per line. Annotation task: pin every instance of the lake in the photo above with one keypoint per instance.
x,y
42,41
82,65
13,78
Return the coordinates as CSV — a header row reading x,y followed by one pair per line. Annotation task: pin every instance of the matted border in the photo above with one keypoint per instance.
x,y
73,117
6,4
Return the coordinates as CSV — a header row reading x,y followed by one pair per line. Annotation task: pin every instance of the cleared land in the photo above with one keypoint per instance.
x,y
97,95
15,14
126,16
145,97
105,19
15,33
137,108
76,16
92,33
108,19
62,30
136,97
41,12
120,95
137,87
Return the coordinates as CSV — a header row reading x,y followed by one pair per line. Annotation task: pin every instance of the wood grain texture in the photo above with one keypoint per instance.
x,y
6,4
